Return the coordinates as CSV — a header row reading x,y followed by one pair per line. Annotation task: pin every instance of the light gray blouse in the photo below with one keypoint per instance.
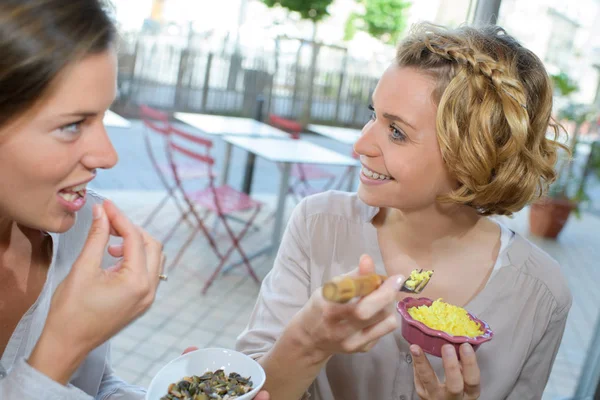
x,y
525,302
94,378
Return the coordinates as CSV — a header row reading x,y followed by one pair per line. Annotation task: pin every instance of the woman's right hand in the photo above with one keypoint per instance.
x,y
91,305
352,327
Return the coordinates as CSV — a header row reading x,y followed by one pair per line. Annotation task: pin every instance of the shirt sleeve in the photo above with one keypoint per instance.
x,y
536,371
284,291
24,382
113,388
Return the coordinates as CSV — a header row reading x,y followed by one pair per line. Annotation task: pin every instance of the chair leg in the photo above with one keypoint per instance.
x,y
156,210
160,205
235,246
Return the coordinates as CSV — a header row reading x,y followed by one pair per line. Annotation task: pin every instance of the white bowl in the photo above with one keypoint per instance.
x,y
200,361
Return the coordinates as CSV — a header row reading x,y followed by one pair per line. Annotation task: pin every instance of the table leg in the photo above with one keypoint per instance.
x,y
351,178
226,161
284,184
249,173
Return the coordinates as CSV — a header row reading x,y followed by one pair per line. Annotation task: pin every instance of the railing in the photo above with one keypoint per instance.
x,y
177,78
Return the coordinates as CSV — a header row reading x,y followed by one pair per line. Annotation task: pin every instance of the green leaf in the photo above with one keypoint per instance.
x,y
385,19
314,10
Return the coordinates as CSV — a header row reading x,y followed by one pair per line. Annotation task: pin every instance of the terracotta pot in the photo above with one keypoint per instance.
x,y
548,217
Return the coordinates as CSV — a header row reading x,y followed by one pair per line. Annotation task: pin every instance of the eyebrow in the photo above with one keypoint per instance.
x,y
85,114
393,117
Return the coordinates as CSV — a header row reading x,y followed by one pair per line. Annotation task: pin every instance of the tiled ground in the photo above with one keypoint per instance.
x,y
182,317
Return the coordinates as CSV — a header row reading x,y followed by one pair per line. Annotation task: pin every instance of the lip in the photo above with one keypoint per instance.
x,y
371,169
80,183
72,206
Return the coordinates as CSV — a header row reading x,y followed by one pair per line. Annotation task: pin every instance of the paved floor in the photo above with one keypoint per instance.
x,y
181,316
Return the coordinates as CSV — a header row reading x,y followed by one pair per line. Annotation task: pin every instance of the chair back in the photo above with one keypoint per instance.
x,y
191,146
151,113
292,127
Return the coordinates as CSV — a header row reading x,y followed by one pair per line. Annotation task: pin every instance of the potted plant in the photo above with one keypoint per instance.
x,y
549,215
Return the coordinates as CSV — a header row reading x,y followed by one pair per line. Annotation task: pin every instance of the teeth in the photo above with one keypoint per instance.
x,y
70,197
374,175
78,188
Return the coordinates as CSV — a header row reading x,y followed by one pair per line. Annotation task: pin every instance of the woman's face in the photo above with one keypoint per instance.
x,y
49,154
400,144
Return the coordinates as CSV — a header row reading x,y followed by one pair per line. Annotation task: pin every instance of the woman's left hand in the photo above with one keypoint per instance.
x,y
462,377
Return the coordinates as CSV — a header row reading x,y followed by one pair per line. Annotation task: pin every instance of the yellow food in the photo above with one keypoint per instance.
x,y
416,278
446,317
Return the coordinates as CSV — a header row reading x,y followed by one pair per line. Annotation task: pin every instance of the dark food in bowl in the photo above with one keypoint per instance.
x,y
210,386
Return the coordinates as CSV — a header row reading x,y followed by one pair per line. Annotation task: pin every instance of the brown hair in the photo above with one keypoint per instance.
x,y
38,39
494,102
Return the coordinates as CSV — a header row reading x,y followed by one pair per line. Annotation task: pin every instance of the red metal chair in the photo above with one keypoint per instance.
x,y
157,122
223,201
303,173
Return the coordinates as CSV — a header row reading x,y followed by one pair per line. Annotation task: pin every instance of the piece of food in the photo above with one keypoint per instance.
x,y
447,318
210,386
417,277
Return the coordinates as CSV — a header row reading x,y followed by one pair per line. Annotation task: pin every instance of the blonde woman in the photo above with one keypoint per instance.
x,y
457,134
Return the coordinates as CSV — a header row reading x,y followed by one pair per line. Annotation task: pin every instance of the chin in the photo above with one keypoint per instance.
x,y
59,224
369,198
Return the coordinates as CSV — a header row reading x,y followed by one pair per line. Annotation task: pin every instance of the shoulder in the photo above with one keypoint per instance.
x,y
543,270
334,204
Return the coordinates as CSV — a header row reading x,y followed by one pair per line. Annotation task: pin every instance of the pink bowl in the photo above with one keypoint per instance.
x,y
432,340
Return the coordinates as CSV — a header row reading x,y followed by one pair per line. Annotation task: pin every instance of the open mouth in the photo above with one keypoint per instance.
x,y
74,193
375,175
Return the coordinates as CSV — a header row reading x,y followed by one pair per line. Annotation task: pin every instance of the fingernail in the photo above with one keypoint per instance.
x,y
97,211
449,351
415,351
467,349
399,282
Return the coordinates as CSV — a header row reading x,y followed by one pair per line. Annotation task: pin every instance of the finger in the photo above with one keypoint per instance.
x,y
423,370
366,338
154,255
190,349
454,379
375,319
420,389
471,373
385,295
263,395
97,240
133,245
116,250
366,265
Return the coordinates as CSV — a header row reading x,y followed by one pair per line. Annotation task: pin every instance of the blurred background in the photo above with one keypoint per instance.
x,y
280,89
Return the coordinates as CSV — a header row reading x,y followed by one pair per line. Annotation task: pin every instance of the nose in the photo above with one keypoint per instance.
x,y
366,145
100,152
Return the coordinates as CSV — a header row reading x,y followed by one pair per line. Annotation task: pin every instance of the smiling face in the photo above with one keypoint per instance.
x,y
400,143
48,154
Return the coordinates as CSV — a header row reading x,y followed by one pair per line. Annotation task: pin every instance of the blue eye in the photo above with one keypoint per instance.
x,y
396,134
72,129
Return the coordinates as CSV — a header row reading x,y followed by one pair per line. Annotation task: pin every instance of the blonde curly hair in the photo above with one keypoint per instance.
x,y
494,102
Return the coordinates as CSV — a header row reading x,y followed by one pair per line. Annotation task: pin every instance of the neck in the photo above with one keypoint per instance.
x,y
440,227
18,240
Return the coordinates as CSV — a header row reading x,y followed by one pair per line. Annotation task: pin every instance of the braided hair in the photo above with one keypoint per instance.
x,y
494,101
